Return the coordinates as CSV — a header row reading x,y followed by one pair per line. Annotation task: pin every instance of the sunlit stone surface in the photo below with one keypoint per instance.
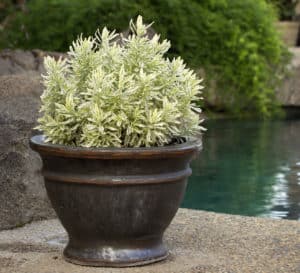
x,y
199,242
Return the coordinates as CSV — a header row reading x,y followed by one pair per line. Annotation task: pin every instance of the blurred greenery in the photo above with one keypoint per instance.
x,y
6,7
234,41
286,8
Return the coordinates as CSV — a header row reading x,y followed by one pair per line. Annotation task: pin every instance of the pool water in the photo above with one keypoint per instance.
x,y
248,168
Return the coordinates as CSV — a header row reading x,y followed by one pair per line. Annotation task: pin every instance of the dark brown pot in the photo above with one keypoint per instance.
x,y
115,203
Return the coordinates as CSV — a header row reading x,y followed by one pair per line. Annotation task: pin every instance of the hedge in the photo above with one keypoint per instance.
x,y
234,41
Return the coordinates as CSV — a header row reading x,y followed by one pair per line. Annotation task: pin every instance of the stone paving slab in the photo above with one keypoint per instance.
x,y
199,242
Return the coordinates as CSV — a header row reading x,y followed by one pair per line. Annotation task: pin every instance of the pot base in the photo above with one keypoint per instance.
x,y
115,256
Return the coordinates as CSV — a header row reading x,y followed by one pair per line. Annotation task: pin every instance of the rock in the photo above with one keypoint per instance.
x,y
288,31
289,94
19,61
22,195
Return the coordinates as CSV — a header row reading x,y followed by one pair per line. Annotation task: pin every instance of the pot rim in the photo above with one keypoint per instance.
x,y
38,144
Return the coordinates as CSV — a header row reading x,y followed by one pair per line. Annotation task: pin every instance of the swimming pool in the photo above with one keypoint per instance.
x,y
248,168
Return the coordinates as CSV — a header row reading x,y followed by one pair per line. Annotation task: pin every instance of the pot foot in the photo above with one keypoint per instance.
x,y
115,256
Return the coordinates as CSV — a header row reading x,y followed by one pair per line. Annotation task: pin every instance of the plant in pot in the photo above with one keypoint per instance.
x,y
288,26
120,128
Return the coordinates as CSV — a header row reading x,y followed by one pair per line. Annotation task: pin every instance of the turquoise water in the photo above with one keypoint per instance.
x,y
248,168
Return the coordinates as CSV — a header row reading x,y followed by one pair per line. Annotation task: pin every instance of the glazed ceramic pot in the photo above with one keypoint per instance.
x,y
115,203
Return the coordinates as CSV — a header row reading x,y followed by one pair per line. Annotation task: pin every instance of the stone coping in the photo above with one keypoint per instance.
x,y
198,241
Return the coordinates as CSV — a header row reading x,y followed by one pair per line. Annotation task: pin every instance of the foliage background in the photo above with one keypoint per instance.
x,y
234,41
286,8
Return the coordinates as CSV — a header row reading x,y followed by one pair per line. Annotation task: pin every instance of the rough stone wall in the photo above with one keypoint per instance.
x,y
289,94
22,194
19,61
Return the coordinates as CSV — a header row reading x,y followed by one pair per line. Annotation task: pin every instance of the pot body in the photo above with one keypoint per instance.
x,y
115,204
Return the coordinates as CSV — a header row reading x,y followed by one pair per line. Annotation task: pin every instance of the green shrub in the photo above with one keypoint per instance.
x,y
108,95
234,41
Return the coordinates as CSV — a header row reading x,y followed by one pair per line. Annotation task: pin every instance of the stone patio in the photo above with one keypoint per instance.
x,y
199,242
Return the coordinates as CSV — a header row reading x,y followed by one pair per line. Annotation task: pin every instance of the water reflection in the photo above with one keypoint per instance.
x,y
293,192
248,168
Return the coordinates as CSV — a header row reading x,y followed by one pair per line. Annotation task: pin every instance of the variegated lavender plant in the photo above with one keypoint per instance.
x,y
110,95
